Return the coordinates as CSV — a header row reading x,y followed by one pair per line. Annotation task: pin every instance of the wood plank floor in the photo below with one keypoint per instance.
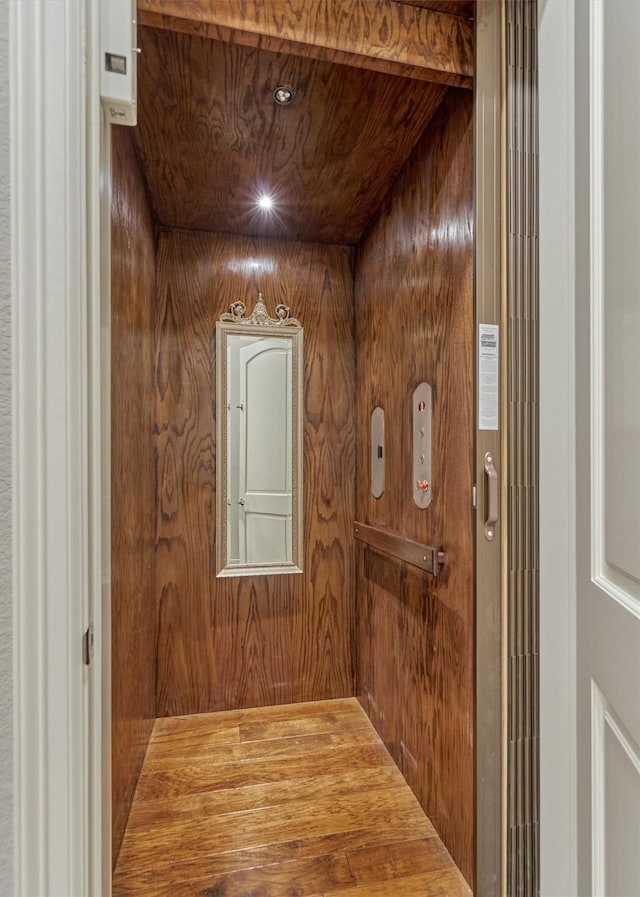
x,y
301,800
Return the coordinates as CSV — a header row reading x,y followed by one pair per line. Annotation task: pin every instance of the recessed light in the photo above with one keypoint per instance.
x,y
265,202
284,95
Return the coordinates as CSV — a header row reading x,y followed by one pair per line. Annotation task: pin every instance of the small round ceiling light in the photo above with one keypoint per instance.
x,y
265,202
284,95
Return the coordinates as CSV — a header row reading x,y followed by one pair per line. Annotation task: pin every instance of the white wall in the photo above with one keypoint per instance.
x,y
6,653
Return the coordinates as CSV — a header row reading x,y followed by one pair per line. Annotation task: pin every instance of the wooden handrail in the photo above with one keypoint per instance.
x,y
429,559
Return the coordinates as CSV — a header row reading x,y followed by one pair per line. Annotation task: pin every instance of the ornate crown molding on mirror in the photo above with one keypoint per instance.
x,y
259,441
259,316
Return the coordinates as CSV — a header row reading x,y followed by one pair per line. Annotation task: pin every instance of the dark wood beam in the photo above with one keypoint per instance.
x,y
380,35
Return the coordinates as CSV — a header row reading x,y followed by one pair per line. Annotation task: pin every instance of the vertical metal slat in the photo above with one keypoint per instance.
x,y
522,461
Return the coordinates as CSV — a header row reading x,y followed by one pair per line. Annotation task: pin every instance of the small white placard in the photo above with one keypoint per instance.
x,y
489,338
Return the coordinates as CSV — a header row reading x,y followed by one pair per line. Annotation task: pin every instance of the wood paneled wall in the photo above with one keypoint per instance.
x,y
251,641
133,605
414,322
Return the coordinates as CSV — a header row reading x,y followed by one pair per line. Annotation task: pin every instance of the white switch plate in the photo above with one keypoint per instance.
x,y
118,61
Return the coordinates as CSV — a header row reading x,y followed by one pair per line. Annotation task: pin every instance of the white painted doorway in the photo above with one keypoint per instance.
x,y
260,491
590,438
54,801
608,448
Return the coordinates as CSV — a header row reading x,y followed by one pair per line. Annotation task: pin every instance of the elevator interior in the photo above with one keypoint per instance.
x,y
369,242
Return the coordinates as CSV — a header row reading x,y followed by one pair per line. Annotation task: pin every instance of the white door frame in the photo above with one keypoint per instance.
x,y
558,788
60,562
55,124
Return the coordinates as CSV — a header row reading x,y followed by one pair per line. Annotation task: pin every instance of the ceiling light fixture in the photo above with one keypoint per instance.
x,y
265,202
284,95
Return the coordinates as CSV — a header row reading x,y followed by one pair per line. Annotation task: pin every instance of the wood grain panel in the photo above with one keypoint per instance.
x,y
133,611
381,36
211,139
249,641
414,314
465,8
329,824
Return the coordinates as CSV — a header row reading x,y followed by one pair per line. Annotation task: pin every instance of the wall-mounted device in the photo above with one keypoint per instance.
x,y
421,468
377,452
118,61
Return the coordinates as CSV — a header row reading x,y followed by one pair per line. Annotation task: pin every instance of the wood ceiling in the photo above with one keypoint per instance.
x,y
452,7
211,139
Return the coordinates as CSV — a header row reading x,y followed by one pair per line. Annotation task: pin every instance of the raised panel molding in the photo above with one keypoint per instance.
x,y
604,720
621,585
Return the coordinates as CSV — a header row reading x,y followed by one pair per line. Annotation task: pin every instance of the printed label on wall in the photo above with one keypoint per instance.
x,y
489,338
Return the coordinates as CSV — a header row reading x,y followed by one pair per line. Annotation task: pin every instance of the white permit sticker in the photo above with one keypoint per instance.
x,y
489,337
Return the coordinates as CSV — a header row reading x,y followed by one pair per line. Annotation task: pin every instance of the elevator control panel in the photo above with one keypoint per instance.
x,y
377,452
421,468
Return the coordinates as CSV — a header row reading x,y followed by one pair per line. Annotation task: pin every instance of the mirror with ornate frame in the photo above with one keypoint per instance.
x,y
259,414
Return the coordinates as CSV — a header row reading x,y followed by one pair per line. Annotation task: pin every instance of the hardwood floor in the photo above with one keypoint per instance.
x,y
300,800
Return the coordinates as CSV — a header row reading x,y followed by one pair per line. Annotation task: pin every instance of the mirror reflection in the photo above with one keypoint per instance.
x,y
259,442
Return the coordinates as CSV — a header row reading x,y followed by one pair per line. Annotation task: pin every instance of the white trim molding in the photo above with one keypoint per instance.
x,y
602,717
596,263
598,826
621,587
99,419
558,742
51,522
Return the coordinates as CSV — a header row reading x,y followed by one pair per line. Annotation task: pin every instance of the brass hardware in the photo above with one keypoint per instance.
x,y
492,498
421,402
